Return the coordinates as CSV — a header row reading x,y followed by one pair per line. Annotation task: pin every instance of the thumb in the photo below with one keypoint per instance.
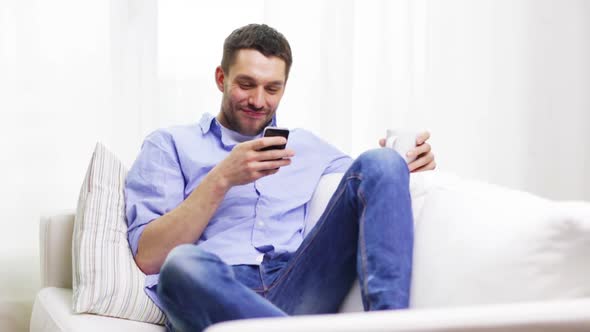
x,y
382,142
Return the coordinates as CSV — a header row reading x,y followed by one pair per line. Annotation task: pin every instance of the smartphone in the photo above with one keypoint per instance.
x,y
274,131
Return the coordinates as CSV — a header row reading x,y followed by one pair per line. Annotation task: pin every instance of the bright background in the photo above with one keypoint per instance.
x,y
502,85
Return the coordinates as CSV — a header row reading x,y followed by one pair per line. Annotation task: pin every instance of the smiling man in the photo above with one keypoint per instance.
x,y
251,90
217,223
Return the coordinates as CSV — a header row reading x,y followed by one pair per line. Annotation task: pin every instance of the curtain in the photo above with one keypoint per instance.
x,y
501,85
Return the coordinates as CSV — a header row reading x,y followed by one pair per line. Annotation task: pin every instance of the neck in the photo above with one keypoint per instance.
x,y
222,120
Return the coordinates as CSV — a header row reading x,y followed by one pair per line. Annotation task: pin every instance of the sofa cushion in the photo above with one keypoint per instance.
x,y
479,243
106,280
52,311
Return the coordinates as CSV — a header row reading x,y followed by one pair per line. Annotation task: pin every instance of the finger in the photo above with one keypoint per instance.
x,y
422,137
382,142
419,150
269,164
268,172
263,142
275,154
428,167
424,160
421,162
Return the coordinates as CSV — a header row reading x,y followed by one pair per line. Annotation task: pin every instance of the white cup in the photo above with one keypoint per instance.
x,y
402,141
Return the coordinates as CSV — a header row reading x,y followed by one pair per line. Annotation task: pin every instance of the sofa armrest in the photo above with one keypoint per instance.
x,y
563,315
55,238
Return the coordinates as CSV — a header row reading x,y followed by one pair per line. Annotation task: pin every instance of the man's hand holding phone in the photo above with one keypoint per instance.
x,y
274,132
251,160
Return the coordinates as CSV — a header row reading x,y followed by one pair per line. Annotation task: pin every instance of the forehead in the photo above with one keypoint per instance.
x,y
254,64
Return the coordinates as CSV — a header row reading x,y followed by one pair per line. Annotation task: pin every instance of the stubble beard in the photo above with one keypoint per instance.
x,y
229,112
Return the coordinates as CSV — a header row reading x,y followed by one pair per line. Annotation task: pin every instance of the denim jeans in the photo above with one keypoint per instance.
x,y
366,231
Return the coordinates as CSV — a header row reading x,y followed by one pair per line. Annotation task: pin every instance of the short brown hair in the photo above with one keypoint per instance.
x,y
260,37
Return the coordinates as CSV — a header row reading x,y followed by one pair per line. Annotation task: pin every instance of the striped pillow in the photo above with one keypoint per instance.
x,y
106,280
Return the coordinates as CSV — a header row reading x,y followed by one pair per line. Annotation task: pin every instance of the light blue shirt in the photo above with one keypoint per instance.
x,y
252,219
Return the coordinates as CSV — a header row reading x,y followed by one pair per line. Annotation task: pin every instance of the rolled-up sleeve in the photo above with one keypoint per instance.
x,y
339,164
338,161
154,185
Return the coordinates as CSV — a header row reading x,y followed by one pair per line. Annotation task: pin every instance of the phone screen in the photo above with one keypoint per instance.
x,y
273,131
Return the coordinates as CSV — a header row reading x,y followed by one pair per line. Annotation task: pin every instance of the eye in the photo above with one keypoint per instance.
x,y
273,89
246,85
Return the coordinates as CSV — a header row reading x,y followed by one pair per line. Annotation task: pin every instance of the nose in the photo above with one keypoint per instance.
x,y
256,98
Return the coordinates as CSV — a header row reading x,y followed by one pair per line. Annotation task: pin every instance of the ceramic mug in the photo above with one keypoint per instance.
x,y
402,141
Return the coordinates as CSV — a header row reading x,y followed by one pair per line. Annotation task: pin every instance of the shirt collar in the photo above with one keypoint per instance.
x,y
205,122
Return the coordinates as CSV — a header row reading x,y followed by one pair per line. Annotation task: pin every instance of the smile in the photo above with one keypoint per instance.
x,y
254,114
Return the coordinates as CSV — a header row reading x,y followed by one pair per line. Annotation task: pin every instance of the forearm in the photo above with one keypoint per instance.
x,y
184,224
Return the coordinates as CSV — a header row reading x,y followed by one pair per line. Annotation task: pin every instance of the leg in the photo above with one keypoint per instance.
x,y
365,231
197,289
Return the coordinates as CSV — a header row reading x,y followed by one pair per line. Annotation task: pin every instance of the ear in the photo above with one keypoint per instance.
x,y
219,78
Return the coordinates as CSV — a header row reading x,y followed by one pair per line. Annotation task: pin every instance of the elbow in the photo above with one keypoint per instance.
x,y
146,265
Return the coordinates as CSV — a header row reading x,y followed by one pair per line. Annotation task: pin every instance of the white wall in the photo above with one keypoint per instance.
x,y
502,85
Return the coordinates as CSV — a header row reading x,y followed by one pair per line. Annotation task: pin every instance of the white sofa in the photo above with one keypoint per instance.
x,y
486,259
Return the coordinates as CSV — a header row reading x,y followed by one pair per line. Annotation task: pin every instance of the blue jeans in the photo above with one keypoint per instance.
x,y
366,231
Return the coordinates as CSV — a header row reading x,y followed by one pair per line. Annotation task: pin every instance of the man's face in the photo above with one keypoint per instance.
x,y
251,90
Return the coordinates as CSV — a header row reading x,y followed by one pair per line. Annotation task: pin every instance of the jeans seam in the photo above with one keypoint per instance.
x,y
362,248
264,288
292,264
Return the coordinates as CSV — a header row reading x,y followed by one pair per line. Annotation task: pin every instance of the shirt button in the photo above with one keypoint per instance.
x,y
261,223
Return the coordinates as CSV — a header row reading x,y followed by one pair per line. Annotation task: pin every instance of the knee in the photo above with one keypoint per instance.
x,y
383,163
188,268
